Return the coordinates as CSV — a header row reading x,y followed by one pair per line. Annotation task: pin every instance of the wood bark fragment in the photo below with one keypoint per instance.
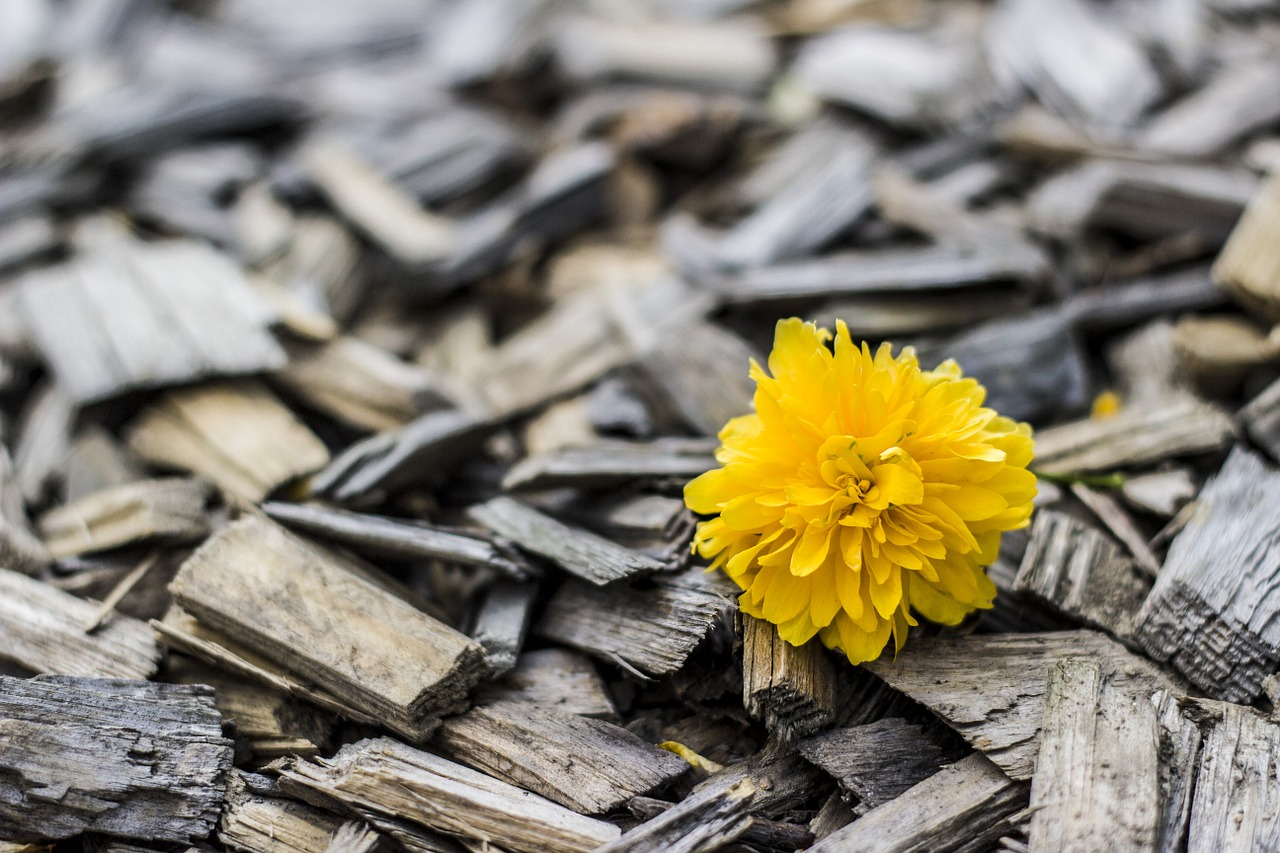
x,y
579,552
170,509
395,780
1113,516
1097,777
1210,614
234,434
791,690
125,758
43,630
289,601
588,765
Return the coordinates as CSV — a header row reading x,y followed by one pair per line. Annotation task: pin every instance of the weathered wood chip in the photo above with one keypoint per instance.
x,y
43,630
791,690
255,822
1097,783
1261,420
613,463
395,780
297,606
125,758
579,552
589,765
237,435
20,549
171,509
1211,613
1249,266
558,679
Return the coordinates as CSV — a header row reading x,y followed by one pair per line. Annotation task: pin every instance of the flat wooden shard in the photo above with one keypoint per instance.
x,y
1261,420
1097,782
237,435
1211,614
651,628
559,679
172,509
389,778
876,762
126,758
966,806
1249,266
301,608
502,621
613,463
701,369
1081,573
588,765
791,690
43,631
991,688
138,315
20,549
579,552
256,822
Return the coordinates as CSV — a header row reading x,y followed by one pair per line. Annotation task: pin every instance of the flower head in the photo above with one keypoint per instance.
x,y
862,489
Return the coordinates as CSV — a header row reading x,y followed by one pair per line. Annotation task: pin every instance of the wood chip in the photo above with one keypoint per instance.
x,y
558,679
791,690
612,463
126,758
20,549
1248,266
256,823
501,623
170,509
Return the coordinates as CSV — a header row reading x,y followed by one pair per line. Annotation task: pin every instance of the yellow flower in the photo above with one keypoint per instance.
x,y
862,488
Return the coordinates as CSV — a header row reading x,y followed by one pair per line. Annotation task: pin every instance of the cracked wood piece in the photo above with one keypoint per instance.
x,y
1211,614
1261,419
590,766
359,384
126,758
1096,785
651,629
170,509
354,836
389,778
990,688
423,450
1236,801
1113,516
1249,266
966,806
142,315
559,679
700,368
606,464
20,549
501,623
297,606
1079,572
876,762
399,538
579,552
254,822
1134,437
237,435
43,631
791,690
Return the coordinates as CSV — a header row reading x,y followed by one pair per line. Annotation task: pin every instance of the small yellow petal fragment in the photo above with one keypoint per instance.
x,y
695,760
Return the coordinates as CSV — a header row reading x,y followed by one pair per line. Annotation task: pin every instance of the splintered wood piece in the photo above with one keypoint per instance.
x,y
43,630
588,765
613,463
143,315
126,758
1081,573
1133,437
43,440
559,679
965,806
1162,493
380,209
234,434
579,552
1249,265
304,610
392,779
1097,777
20,549
791,690
1236,789
359,384
171,509
876,762
651,629
354,836
990,688
501,623
1211,614
393,537
703,370
423,450
1261,419
1113,516
254,822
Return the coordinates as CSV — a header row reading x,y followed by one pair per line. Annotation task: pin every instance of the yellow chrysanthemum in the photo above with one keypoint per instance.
x,y
861,489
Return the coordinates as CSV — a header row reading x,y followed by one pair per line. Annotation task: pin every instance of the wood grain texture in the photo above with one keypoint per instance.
x,y
1248,265
1097,785
791,690
20,549
612,463
43,631
125,758
1211,614
588,765
284,598
1236,805
501,623
560,679
254,822
396,780
170,509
